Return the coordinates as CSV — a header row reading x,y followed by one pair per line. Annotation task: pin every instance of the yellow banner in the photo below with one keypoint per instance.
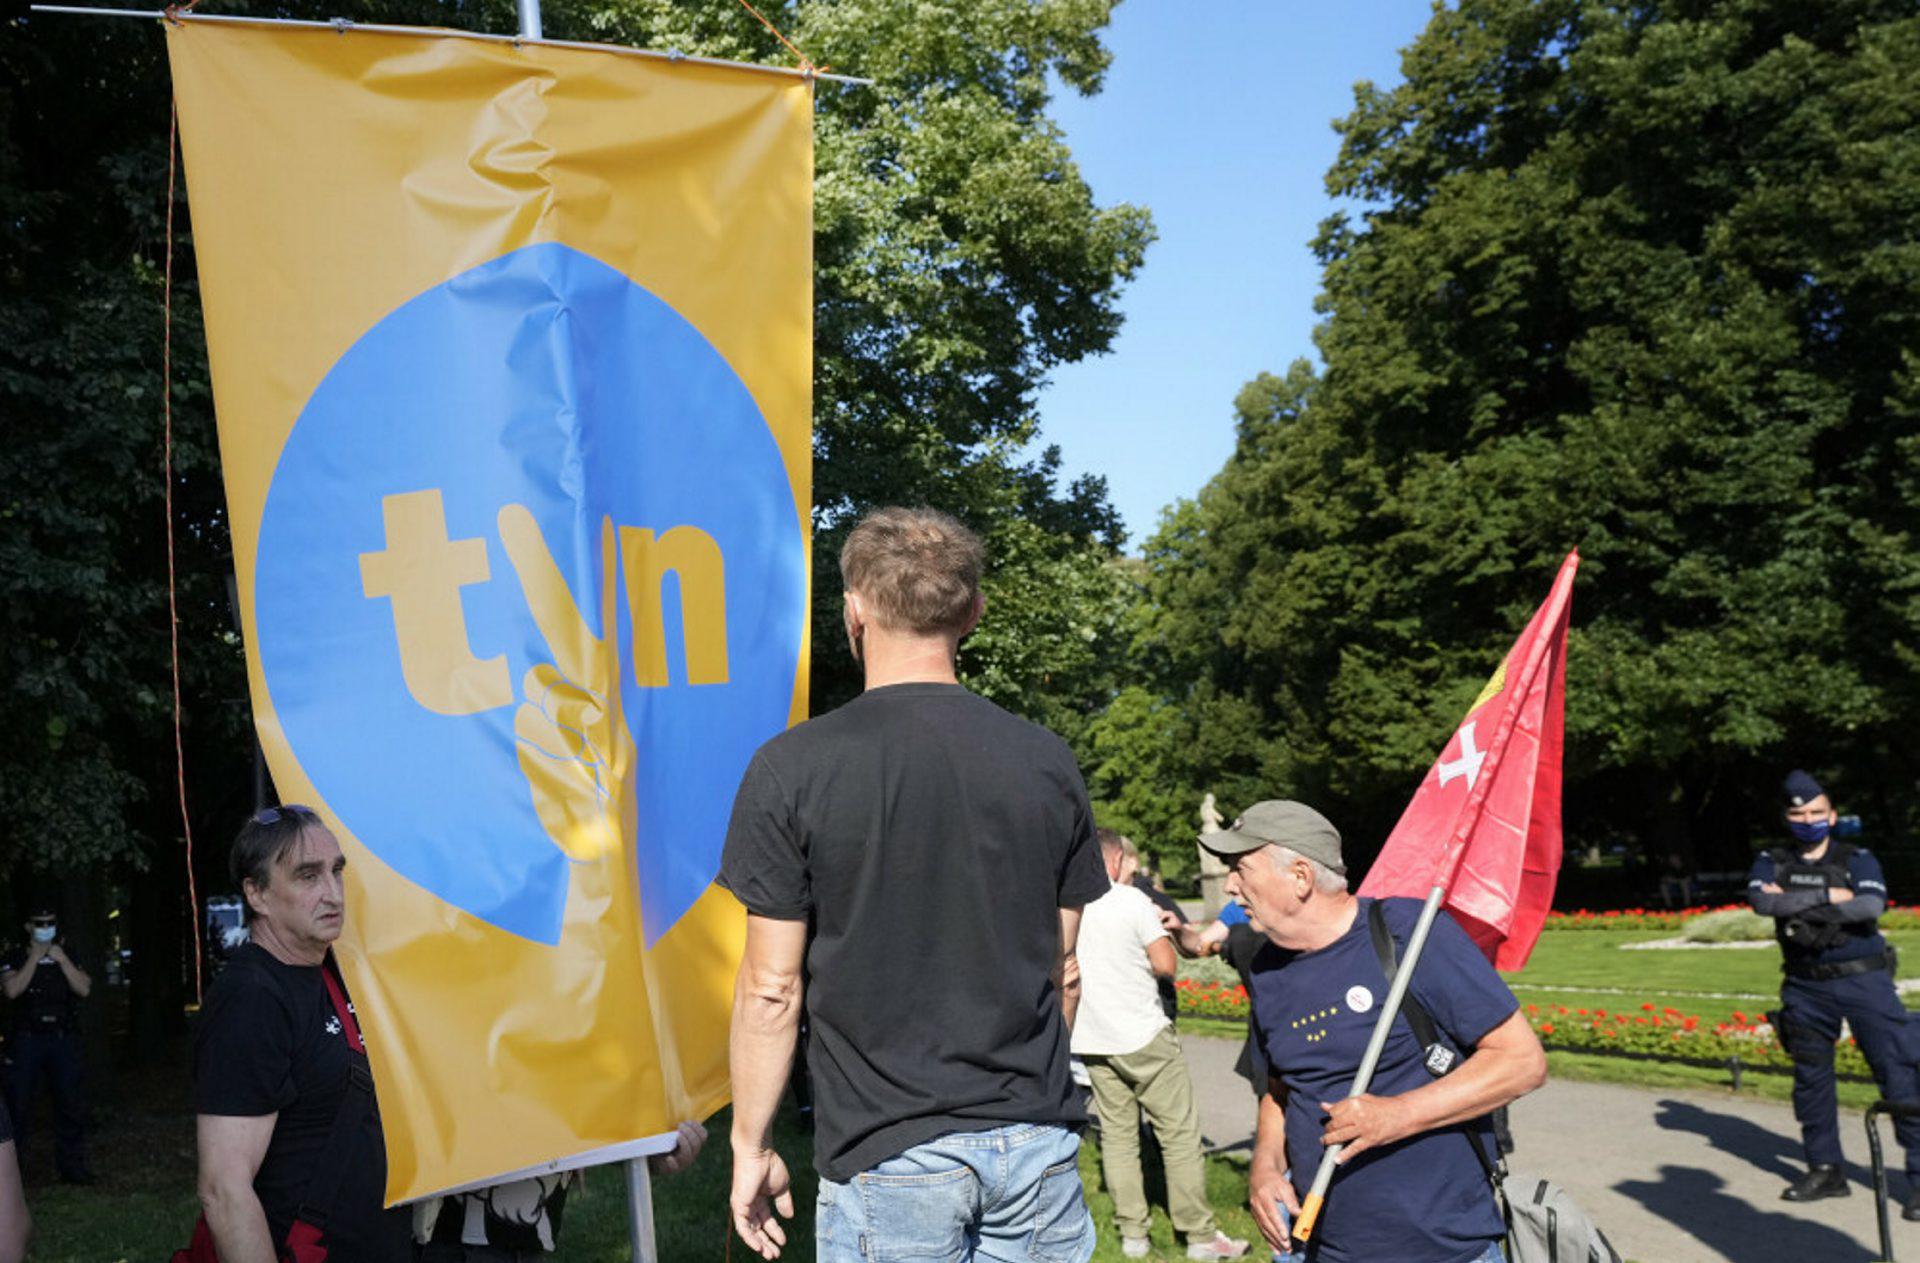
x,y
511,360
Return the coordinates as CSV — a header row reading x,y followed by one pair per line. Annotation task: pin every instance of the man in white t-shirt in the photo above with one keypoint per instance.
x,y
1136,1065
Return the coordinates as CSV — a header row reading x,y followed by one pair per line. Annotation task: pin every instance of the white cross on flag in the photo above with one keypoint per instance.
x,y
1485,822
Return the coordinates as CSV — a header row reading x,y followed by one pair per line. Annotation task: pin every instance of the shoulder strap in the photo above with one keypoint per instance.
x,y
1389,954
1428,1035
338,994
323,1190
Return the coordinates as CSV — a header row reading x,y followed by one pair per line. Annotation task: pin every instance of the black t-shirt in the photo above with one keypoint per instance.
x,y
48,1005
1242,945
930,838
1169,994
6,1125
270,1043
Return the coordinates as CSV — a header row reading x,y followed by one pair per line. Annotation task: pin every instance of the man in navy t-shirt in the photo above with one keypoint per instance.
x,y
1408,1188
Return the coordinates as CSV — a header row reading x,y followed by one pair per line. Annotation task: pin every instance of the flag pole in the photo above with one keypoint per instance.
x,y
343,26
640,1211
1382,1027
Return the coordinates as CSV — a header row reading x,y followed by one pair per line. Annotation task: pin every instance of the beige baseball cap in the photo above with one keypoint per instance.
x,y
1280,821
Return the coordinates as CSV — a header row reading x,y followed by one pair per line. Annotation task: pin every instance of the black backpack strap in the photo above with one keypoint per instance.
x,y
1429,1036
356,1104
1440,1058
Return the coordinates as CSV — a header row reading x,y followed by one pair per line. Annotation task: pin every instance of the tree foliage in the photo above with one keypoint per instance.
x,y
959,257
1638,279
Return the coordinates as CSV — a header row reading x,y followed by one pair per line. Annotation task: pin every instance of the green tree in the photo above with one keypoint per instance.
x,y
1638,279
959,257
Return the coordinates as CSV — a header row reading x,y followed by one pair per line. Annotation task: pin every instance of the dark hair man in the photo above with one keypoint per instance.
x,y
920,857
1136,1063
46,987
288,1127
1825,896
1408,1188
1236,938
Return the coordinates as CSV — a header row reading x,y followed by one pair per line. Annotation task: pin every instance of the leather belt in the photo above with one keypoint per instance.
x,y
1812,972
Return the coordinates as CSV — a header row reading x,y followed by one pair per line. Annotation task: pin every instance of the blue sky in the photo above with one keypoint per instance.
x,y
1216,115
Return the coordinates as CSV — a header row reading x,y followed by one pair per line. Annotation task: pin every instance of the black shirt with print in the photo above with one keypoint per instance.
x,y
270,1043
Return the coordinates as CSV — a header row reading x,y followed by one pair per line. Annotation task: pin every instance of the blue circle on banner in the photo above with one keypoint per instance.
x,y
548,380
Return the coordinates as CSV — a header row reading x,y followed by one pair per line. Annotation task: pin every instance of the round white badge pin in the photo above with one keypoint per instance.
x,y
1359,999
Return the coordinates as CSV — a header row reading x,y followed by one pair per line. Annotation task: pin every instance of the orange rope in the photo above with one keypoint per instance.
x,y
173,599
806,62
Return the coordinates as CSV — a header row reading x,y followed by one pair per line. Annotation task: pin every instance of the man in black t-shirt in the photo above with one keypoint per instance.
x,y
920,857
288,1126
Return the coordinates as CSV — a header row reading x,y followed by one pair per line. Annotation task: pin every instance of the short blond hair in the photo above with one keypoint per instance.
x,y
919,568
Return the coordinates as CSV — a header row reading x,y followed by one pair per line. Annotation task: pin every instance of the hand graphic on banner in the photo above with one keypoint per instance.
x,y
573,749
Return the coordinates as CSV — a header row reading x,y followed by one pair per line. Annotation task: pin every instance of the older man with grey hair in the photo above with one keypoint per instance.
x,y
1408,1189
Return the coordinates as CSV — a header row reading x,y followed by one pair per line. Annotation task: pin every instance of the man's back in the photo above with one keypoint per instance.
x,y
930,838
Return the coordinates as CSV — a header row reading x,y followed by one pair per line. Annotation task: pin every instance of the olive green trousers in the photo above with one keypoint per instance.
x,y
1153,1081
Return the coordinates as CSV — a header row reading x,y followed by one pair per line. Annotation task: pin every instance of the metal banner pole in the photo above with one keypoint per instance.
x,y
342,26
1389,1009
639,1179
640,1211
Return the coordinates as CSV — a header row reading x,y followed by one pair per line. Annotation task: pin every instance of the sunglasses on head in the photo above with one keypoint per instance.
x,y
292,811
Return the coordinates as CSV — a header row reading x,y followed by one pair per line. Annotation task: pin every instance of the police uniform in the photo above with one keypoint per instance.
x,y
1838,967
45,1048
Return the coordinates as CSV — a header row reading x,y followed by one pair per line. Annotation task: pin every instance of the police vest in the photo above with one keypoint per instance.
x,y
1801,934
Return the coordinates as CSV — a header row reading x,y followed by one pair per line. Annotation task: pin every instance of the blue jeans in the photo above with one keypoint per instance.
x,y
1009,1194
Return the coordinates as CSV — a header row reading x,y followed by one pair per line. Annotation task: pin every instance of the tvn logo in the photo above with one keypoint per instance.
x,y
421,572
530,590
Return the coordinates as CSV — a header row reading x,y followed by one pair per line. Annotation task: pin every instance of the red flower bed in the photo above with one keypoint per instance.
x,y
1628,918
1664,1032
1647,1029
1663,919
1212,999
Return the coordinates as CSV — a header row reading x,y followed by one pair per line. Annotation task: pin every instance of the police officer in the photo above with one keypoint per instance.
x,y
1826,896
46,988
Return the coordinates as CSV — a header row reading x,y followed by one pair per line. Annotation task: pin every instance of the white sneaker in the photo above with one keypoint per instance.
x,y
1218,1246
1135,1247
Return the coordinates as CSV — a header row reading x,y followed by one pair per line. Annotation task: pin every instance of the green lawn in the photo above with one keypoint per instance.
x,y
143,1144
1590,969
144,1207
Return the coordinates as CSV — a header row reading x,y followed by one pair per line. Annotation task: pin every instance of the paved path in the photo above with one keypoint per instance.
x,y
1672,1176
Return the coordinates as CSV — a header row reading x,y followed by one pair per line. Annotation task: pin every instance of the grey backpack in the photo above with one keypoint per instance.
x,y
1544,1223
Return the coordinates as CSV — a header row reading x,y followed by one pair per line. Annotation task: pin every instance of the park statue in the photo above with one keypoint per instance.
x,y
1213,874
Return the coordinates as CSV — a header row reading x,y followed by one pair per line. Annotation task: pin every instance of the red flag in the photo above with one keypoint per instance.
x,y
1485,822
